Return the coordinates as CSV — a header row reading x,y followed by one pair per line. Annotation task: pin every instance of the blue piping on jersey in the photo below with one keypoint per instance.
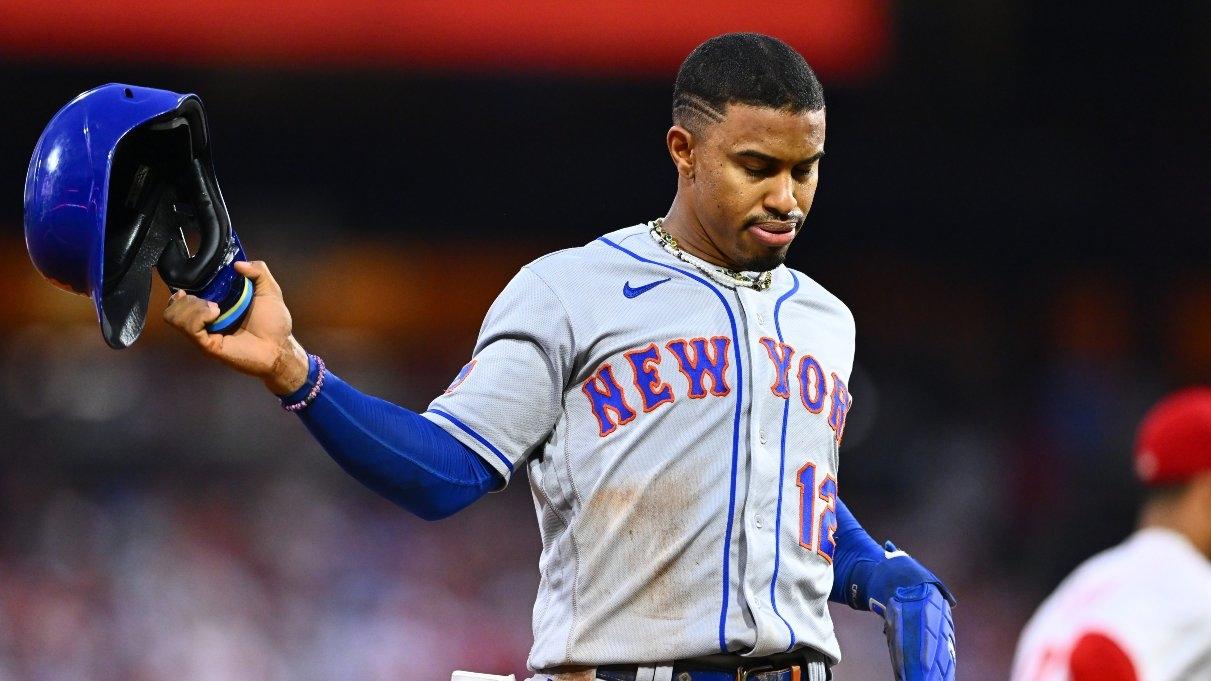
x,y
786,405
731,502
467,429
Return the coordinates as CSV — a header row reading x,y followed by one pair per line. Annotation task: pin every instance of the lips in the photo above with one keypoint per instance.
x,y
774,234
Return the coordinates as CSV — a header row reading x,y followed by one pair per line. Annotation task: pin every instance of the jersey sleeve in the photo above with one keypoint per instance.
x,y
507,399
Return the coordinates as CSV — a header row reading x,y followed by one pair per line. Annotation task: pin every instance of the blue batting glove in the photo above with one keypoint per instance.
x,y
915,606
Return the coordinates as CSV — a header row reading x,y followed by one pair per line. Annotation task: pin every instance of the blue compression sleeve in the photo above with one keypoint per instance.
x,y
393,451
857,553
864,571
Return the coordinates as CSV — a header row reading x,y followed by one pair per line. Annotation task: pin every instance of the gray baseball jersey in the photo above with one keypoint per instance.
x,y
680,434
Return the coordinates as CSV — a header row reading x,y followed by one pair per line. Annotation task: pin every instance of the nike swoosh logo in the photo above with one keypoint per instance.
x,y
630,292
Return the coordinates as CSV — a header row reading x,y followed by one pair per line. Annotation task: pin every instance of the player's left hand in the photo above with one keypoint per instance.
x,y
915,606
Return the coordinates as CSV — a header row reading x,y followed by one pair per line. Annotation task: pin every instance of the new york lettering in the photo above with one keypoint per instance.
x,y
704,364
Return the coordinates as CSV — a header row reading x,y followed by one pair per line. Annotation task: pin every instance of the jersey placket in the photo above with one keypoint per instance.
x,y
759,513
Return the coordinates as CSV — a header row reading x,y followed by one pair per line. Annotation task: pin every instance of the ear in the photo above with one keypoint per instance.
x,y
681,148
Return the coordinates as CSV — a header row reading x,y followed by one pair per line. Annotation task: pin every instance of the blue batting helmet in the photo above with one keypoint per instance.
x,y
118,178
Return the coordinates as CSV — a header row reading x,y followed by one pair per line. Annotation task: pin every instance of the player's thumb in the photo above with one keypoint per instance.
x,y
263,282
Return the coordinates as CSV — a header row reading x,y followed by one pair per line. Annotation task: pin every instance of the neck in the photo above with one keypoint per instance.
x,y
683,224
1193,527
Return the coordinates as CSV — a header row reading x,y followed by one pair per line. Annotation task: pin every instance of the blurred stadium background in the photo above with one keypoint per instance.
x,y
1014,204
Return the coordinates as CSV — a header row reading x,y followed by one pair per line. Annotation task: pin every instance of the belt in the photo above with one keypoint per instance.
x,y
795,673
806,665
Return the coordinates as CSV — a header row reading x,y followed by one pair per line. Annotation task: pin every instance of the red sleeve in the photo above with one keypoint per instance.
x,y
1096,657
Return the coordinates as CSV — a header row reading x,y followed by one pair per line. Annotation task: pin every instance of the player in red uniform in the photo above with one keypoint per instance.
x,y
1141,611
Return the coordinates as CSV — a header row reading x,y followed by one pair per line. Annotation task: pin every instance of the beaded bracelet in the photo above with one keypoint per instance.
x,y
315,389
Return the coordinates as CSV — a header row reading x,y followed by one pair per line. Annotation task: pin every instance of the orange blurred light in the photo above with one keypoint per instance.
x,y
845,38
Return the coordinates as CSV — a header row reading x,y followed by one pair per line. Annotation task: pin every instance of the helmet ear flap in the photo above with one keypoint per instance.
x,y
130,255
138,216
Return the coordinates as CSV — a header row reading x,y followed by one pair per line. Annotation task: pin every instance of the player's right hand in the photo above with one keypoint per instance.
x,y
920,634
262,346
915,606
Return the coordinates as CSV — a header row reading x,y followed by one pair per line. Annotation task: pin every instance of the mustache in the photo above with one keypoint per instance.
x,y
795,217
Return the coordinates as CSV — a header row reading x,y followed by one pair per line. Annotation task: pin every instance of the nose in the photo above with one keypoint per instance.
x,y
781,197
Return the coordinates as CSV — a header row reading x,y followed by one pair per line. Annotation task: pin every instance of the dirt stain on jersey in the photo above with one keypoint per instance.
x,y
649,522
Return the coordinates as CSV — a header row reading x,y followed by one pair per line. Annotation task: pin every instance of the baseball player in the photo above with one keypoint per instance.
x,y
1141,611
677,397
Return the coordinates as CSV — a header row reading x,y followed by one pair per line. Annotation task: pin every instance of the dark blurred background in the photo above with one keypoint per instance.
x,y
1014,205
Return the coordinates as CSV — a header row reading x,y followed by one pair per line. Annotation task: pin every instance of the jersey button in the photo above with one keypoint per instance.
x,y
761,436
760,318
757,522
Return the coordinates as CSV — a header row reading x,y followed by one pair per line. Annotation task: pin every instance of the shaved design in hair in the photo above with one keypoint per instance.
x,y
742,68
690,111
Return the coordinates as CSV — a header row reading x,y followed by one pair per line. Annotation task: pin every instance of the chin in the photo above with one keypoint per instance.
x,y
762,262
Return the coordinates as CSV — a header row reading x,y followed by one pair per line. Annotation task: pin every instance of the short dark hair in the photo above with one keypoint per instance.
x,y
744,68
1164,495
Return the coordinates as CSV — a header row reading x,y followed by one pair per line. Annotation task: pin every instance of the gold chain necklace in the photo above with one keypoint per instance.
x,y
759,282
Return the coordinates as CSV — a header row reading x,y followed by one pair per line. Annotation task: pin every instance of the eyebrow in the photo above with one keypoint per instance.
x,y
766,158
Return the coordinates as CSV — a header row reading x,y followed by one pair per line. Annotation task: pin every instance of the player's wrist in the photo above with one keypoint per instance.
x,y
289,370
858,590
882,580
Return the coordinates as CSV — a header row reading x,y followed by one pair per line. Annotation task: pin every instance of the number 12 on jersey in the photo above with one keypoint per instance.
x,y
817,535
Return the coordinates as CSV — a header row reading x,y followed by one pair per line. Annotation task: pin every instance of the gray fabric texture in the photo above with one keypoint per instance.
x,y
634,522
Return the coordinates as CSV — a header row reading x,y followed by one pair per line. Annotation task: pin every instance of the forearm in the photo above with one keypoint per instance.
x,y
864,571
393,451
857,553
